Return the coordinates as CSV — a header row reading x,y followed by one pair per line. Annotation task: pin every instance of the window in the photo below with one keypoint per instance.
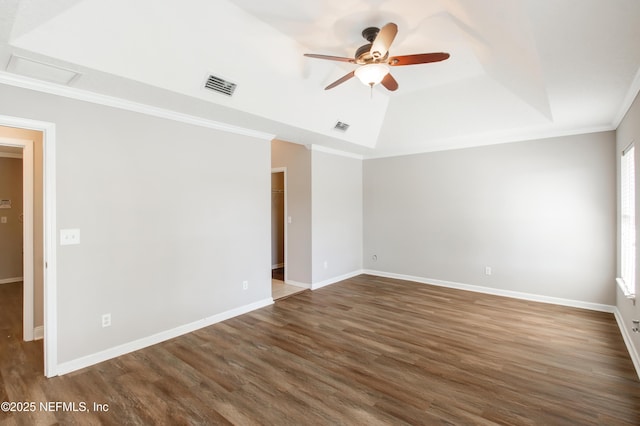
x,y
627,281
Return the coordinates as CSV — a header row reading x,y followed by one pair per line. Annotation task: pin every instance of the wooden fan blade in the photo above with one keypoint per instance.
x,y
421,58
340,80
381,44
331,58
389,83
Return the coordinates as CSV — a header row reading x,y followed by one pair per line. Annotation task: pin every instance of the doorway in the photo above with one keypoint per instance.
x,y
279,286
13,261
17,221
36,141
277,225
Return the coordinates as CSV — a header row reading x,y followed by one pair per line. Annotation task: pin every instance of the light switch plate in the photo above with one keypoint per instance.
x,y
69,237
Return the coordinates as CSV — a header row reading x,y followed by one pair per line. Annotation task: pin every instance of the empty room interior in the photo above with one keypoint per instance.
x,y
328,212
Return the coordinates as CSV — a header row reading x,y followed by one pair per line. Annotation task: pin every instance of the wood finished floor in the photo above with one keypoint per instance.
x,y
364,351
280,289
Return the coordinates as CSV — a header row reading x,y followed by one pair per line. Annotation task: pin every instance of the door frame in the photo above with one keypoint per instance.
x,y
49,234
283,170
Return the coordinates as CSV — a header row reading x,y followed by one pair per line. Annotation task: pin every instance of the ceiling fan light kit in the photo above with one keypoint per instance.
x,y
372,74
374,59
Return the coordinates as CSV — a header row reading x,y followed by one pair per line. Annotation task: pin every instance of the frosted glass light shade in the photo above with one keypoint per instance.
x,y
372,74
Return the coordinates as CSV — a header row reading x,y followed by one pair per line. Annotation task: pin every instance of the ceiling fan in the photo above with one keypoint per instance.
x,y
374,59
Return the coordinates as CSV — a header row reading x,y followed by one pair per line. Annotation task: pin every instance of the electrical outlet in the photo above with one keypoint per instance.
x,y
245,285
487,270
326,264
106,320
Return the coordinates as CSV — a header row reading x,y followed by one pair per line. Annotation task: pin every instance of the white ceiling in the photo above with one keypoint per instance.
x,y
519,69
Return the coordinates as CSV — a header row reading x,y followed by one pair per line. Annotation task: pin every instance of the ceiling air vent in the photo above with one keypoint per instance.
x,y
41,71
220,85
341,126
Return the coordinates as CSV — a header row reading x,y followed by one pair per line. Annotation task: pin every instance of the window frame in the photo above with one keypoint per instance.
x,y
627,217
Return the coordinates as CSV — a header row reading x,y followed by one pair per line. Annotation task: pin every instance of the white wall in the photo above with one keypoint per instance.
x,y
173,218
627,132
540,213
336,216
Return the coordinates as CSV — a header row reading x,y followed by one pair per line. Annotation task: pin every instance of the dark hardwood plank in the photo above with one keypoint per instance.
x,y
367,350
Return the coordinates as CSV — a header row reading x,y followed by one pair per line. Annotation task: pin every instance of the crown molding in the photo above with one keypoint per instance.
x,y
114,102
321,148
111,101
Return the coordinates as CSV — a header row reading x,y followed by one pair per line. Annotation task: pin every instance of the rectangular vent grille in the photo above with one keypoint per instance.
x,y
343,127
220,85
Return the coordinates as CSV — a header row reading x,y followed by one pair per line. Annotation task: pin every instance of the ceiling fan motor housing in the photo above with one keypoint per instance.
x,y
363,55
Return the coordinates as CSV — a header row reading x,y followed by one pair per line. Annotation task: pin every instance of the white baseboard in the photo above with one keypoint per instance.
x,y
628,341
497,292
277,265
38,333
298,284
315,286
86,361
10,280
